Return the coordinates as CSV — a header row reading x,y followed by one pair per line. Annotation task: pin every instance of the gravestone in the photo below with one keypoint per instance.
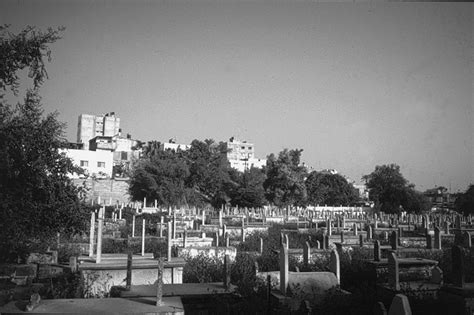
x,y
437,238
306,253
335,266
467,241
458,266
133,226
429,241
227,271
283,269
393,271
437,275
446,227
169,241
99,235
377,251
379,309
128,281
394,240
159,283
143,237
400,306
91,235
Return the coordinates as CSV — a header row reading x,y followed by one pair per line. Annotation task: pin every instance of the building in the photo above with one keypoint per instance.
x,y
241,155
97,164
362,190
123,148
172,145
91,126
440,198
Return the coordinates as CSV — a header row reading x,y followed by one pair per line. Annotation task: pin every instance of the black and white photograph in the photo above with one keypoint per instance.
x,y
236,157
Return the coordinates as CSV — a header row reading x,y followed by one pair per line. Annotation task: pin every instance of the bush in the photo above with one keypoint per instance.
x,y
244,274
202,269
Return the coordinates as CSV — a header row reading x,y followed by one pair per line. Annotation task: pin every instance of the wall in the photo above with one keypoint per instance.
x,y
99,282
107,189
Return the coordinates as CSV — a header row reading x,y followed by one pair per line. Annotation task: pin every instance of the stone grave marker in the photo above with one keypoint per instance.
x,y
335,266
393,271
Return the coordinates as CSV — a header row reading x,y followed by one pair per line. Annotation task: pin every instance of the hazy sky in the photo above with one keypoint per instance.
x,y
354,85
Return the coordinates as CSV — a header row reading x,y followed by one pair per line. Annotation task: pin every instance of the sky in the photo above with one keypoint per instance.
x,y
354,85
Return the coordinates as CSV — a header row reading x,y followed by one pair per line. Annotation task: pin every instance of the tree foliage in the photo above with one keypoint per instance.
x,y
27,49
329,189
285,185
209,171
249,191
391,192
160,176
38,198
465,202
198,176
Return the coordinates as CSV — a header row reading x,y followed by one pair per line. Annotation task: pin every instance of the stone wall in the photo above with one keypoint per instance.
x,y
107,189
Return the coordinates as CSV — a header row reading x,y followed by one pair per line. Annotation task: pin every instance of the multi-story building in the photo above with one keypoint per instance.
x,y
241,155
91,126
173,146
95,163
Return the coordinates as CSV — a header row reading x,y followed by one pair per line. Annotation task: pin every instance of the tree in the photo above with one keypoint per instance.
x,y
28,49
161,176
415,201
329,189
249,191
285,185
392,193
465,202
209,171
38,198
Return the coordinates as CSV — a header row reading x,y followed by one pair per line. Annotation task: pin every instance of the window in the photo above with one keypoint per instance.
x,y
250,148
243,148
101,164
84,163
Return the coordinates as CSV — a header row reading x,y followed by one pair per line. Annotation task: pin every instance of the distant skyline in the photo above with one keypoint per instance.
x,y
354,85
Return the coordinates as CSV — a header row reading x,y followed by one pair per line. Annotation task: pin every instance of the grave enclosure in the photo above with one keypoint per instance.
x,y
392,245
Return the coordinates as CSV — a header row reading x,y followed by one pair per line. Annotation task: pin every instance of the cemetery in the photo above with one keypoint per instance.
x,y
137,259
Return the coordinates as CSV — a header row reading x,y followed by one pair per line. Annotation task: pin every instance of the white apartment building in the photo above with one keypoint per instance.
x,y
95,163
241,155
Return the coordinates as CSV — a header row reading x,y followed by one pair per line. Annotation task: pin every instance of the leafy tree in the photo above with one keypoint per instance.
x,y
151,148
391,192
415,201
465,202
38,198
285,185
249,191
161,176
209,171
198,176
28,49
329,189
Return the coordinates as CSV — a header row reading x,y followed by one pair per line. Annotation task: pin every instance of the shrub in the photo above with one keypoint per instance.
x,y
243,274
202,269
